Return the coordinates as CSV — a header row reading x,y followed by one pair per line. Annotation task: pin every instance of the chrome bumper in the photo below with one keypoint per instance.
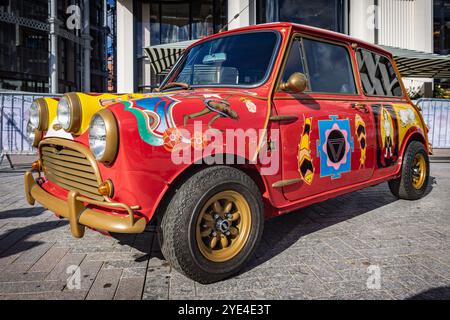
x,y
80,216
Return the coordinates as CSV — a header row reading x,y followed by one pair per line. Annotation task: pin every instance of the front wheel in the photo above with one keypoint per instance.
x,y
212,224
413,182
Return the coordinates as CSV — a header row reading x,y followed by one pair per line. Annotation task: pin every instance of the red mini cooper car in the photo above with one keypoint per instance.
x,y
249,124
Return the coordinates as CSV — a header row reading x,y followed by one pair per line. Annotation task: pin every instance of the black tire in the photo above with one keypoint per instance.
x,y
178,225
403,187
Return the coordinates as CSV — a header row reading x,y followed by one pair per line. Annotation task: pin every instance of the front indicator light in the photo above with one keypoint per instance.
x,y
106,188
37,166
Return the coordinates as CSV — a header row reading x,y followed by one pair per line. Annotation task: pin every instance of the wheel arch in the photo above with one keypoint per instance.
x,y
245,165
414,134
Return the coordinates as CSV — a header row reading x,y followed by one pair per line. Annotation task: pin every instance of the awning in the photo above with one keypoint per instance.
x,y
163,57
411,63
418,64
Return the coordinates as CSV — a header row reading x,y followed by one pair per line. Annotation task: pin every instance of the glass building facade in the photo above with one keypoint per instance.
x,y
24,47
441,24
326,14
441,32
169,21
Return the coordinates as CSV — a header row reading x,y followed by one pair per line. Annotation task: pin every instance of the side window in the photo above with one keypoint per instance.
x,y
294,62
329,67
377,74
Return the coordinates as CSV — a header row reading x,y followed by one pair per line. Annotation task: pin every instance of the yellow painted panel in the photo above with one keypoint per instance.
x,y
91,103
407,117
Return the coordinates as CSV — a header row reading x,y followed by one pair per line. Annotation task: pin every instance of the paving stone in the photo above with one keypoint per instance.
x,y
105,285
156,288
30,286
59,272
27,259
49,260
10,276
130,288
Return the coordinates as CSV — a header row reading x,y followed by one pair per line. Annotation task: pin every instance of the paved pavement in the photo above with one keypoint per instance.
x,y
365,245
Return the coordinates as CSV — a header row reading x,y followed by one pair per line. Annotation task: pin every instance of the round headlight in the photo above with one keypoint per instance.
x,y
103,136
34,115
63,113
33,134
68,112
39,114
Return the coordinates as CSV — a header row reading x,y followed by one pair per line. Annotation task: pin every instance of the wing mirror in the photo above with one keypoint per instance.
x,y
295,84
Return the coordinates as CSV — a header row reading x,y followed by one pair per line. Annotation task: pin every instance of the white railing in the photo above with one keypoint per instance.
x,y
14,109
436,113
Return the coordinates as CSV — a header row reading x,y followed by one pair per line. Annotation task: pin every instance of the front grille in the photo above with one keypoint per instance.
x,y
71,170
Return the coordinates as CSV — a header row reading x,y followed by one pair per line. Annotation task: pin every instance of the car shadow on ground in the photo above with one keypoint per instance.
x,y
282,232
21,213
439,293
17,238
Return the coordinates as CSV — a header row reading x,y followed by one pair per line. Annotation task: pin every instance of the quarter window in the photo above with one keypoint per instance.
x,y
377,75
294,62
329,67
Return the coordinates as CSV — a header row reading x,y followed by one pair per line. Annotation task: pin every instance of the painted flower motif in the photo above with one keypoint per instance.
x,y
171,138
199,141
251,106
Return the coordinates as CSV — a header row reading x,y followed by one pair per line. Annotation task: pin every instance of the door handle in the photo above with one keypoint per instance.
x,y
360,107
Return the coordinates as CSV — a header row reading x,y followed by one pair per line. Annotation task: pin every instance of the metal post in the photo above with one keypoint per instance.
x,y
53,56
87,48
1,123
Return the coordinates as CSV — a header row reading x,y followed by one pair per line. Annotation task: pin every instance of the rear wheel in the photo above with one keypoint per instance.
x,y
412,183
212,224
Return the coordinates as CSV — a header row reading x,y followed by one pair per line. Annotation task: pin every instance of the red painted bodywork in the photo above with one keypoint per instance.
x,y
142,173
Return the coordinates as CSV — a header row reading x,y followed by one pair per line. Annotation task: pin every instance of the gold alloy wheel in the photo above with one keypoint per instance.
x,y
419,169
223,226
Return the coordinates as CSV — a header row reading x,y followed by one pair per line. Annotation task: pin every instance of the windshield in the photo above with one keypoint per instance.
x,y
236,60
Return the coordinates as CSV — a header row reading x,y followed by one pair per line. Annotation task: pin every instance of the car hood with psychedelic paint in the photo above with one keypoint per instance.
x,y
153,127
178,118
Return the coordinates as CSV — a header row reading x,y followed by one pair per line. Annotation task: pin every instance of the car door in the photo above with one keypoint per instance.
x,y
328,143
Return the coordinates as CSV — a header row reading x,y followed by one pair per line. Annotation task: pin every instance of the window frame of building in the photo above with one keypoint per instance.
x,y
389,61
341,14
220,18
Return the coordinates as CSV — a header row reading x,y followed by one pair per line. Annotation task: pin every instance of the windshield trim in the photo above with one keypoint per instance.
x,y
255,85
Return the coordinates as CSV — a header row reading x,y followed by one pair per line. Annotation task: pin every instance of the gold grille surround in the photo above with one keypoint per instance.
x,y
71,166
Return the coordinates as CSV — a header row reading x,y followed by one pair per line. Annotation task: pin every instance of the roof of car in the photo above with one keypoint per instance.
x,y
309,30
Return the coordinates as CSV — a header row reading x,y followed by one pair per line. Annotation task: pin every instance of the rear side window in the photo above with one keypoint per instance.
x,y
329,67
377,75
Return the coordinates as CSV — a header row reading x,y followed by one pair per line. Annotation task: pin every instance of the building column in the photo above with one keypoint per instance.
x,y
87,48
423,22
53,56
125,46
246,16
362,19
146,37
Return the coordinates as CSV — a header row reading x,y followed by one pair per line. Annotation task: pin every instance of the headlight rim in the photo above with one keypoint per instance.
x,y
112,136
38,135
43,114
75,112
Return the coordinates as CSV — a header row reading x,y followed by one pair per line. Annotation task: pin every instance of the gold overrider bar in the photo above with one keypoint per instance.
x,y
79,216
